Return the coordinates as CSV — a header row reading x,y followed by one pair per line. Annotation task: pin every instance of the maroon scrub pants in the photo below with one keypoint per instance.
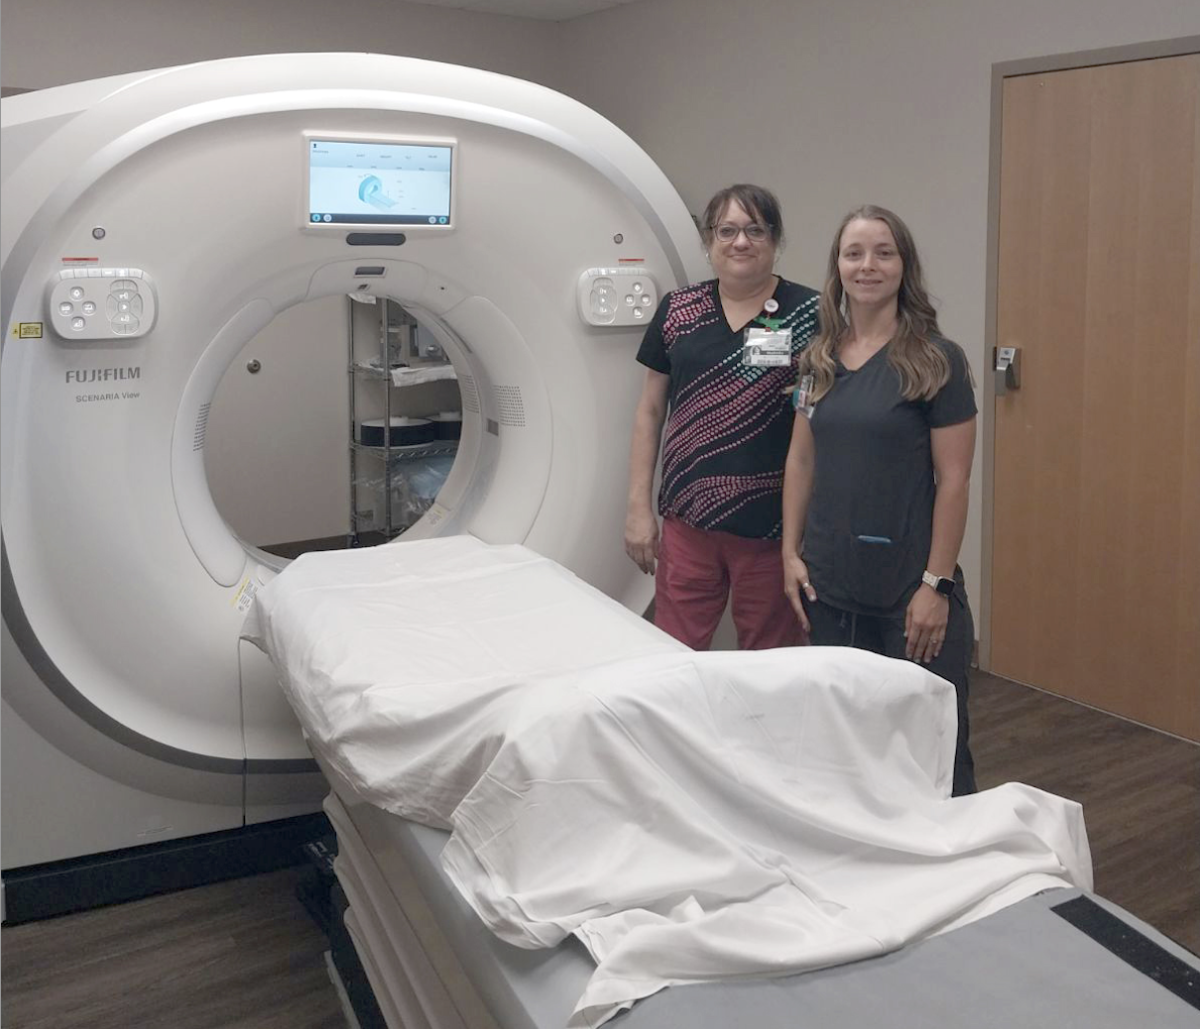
x,y
700,571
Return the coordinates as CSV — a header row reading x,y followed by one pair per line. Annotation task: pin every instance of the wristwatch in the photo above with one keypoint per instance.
x,y
940,583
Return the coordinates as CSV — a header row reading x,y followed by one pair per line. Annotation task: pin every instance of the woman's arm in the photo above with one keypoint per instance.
x,y
953,451
641,527
797,488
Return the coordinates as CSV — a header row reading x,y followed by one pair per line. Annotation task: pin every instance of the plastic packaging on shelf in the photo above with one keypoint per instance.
x,y
414,492
414,376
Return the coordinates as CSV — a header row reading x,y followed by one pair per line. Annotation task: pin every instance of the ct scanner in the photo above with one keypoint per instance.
x,y
152,224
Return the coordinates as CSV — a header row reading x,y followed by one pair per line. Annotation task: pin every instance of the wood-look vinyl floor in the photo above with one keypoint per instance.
x,y
1140,791
244,954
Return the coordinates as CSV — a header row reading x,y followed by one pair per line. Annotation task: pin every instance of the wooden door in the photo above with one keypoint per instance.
x,y
1096,489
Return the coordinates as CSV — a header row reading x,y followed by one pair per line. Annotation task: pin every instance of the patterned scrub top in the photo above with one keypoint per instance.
x,y
728,424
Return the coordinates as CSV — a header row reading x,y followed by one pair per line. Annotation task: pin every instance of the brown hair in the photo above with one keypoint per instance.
x,y
758,202
921,364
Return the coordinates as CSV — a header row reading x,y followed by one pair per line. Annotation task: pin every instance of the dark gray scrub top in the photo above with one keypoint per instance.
x,y
870,517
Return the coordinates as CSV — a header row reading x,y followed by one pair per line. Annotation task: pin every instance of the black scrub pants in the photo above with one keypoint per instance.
x,y
833,627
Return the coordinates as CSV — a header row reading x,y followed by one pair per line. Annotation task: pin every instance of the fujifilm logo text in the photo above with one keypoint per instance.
x,y
80,375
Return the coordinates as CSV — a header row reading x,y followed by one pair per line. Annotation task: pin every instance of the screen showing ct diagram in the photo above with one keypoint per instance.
x,y
375,183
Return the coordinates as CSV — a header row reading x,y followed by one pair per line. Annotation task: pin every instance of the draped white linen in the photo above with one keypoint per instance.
x,y
688,816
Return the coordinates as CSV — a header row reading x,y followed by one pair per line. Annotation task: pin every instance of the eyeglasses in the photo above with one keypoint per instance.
x,y
727,232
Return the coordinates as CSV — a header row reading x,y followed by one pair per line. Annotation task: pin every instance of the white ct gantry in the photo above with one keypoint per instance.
x,y
154,223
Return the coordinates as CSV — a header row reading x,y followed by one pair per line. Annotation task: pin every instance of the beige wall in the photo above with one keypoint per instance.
x,y
51,42
835,103
276,449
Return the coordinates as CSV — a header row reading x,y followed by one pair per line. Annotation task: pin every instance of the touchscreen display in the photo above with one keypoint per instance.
x,y
368,182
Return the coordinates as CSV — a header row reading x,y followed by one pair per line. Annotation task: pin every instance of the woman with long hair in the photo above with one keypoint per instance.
x,y
877,472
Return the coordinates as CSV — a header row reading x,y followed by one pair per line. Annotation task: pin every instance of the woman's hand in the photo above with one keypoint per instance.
x,y
925,624
641,539
795,579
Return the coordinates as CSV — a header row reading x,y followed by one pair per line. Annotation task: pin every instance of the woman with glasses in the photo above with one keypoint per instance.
x,y
718,359
875,491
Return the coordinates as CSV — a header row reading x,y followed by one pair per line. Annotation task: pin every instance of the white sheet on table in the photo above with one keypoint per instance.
x,y
688,816
705,816
405,663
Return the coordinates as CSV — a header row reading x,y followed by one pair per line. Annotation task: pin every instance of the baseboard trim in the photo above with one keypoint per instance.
x,y
80,884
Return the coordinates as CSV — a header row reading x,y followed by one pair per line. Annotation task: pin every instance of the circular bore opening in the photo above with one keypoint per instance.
x,y
296,452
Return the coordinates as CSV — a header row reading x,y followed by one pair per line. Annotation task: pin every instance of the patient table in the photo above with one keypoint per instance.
x,y
430,964
412,668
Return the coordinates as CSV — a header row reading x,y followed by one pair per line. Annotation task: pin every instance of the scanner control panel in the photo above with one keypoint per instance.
x,y
617,296
102,303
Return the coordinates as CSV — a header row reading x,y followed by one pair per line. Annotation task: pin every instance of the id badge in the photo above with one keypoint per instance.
x,y
767,348
801,396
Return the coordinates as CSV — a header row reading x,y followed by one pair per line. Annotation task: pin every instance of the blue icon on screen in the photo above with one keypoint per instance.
x,y
316,217
443,219
370,191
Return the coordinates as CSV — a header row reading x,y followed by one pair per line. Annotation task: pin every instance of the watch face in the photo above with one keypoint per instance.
x,y
945,587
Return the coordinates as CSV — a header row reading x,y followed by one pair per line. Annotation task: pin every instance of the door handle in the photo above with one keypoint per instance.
x,y
1007,362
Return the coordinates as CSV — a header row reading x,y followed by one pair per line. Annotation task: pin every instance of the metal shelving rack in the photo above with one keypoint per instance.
x,y
395,344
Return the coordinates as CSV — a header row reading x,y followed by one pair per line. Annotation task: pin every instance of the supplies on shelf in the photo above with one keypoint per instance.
x,y
415,376
413,493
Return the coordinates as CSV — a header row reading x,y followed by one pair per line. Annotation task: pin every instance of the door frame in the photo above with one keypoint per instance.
x,y
1001,71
